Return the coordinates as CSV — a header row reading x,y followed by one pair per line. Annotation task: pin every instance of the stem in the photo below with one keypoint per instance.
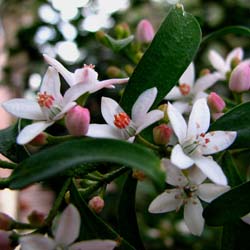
x,y
57,139
143,141
7,164
20,225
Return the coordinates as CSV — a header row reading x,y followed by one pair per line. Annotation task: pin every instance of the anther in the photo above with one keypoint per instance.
x,y
121,120
45,100
184,88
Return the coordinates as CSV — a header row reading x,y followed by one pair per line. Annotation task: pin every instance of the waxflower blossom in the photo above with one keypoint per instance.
x,y
223,66
49,107
65,233
188,191
84,79
194,142
120,125
189,90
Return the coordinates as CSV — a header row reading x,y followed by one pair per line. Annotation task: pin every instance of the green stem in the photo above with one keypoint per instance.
x,y
58,139
7,164
143,141
20,225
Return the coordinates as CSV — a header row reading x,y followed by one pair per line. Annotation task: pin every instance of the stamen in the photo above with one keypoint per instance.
x,y
121,120
45,100
185,89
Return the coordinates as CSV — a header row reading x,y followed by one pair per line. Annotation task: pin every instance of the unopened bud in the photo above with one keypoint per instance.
x,y
96,204
235,62
77,121
162,134
5,241
139,175
36,218
114,72
5,222
240,78
164,109
40,140
129,69
122,30
215,102
145,31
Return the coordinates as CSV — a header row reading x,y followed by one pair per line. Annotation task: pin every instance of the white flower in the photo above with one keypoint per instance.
x,y
49,107
188,190
194,142
120,125
85,77
65,233
224,66
189,90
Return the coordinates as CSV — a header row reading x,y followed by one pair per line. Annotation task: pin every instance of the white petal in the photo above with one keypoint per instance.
x,y
142,105
211,169
188,75
246,218
68,227
196,176
183,107
218,141
199,118
109,109
166,202
104,131
235,53
217,61
193,216
36,242
86,75
64,110
178,123
210,191
150,118
205,82
24,108
51,84
174,176
179,158
67,75
174,94
94,245
29,132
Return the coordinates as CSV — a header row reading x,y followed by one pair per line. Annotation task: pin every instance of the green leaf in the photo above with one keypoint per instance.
x,y
127,220
171,51
117,45
237,119
93,227
8,145
52,161
239,30
228,207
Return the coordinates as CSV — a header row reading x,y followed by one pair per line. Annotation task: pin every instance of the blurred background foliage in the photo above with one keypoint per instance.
x,y
66,29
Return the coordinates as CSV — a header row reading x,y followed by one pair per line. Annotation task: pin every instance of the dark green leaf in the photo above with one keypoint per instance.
x,y
93,227
169,54
117,45
229,206
127,220
52,161
237,119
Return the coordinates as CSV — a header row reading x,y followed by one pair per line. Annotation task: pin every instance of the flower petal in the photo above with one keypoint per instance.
x,y
142,105
175,176
193,216
217,61
150,118
188,75
51,84
103,131
218,141
86,75
109,109
94,245
211,169
166,202
178,123
68,227
183,107
29,132
235,53
196,176
199,119
67,75
37,242
24,108
179,158
174,94
210,191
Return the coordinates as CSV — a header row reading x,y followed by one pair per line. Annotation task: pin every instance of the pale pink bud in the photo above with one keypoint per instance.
x,y
215,102
77,121
40,140
145,31
96,204
162,134
5,242
240,78
5,222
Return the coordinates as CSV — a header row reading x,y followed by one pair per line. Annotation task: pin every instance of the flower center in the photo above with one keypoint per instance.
x,y
190,190
45,100
184,88
121,120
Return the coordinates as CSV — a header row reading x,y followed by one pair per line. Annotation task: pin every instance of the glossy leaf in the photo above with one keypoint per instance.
x,y
52,161
171,51
237,119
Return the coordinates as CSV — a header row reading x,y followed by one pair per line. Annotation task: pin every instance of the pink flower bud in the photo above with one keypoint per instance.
x,y
5,242
162,134
40,140
240,78
96,204
215,102
145,31
5,222
77,121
